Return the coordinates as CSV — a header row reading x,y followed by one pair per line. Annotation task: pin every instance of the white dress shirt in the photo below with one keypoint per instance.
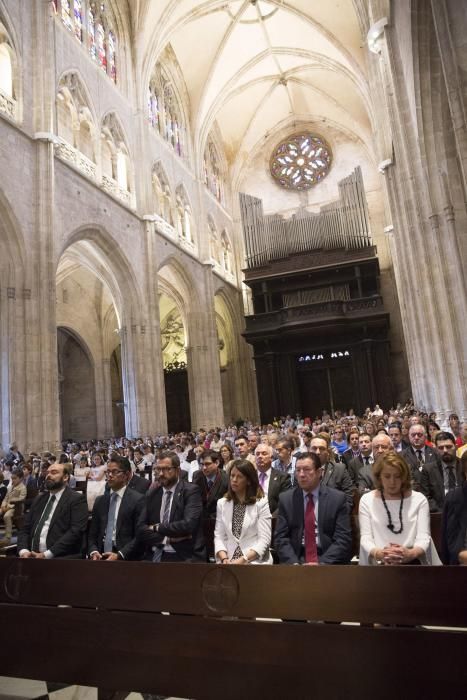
x,y
45,528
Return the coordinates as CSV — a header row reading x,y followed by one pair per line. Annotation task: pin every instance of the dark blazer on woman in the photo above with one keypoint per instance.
x,y
454,525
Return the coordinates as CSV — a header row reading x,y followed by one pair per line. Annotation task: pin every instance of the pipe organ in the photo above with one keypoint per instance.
x,y
343,224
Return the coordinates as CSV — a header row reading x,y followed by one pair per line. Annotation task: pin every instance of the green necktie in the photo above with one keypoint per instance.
x,y
37,532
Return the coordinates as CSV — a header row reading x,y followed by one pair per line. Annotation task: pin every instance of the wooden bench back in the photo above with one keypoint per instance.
x,y
211,645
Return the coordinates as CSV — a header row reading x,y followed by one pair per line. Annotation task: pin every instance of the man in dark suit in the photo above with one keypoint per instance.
x,y
380,445
438,480
419,455
353,451
272,481
334,475
170,525
139,484
395,433
56,523
212,481
454,530
364,458
112,533
313,525
213,484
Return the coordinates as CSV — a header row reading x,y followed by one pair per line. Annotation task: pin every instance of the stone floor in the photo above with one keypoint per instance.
x,y
22,689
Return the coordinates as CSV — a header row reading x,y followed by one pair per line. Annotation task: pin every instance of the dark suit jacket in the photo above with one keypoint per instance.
x,y
335,535
454,525
354,464
278,483
411,458
365,479
337,477
139,484
218,490
127,523
67,527
185,522
432,484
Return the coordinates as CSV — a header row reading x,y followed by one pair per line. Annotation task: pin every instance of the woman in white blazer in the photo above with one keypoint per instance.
x,y
243,521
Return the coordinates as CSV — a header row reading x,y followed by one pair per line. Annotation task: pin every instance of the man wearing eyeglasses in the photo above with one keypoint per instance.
x,y
170,526
213,484
115,515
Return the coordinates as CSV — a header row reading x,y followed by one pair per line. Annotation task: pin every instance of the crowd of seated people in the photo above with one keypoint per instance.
x,y
296,491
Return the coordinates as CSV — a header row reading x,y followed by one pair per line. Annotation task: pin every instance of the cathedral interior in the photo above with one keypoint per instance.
x,y
203,201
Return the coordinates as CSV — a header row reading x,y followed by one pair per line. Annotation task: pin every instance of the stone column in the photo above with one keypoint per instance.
x,y
104,398
43,423
423,303
203,360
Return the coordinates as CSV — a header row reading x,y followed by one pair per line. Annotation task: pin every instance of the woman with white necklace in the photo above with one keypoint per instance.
x,y
394,519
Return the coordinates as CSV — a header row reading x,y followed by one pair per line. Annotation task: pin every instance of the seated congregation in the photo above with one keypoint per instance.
x,y
338,491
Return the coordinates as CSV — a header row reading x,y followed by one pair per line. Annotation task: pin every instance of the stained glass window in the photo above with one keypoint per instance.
x,y
66,14
112,69
78,19
300,161
92,34
153,109
100,45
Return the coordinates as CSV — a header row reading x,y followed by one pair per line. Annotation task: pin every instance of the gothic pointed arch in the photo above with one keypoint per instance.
x,y
103,254
10,71
116,162
184,216
76,122
162,195
167,104
215,166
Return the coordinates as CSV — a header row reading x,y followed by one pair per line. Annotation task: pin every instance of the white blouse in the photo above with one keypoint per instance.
x,y
374,531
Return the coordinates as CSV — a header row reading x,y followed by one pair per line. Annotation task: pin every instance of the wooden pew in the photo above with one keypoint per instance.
x,y
211,645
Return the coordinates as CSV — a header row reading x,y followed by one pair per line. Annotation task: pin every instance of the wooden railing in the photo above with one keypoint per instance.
x,y
212,645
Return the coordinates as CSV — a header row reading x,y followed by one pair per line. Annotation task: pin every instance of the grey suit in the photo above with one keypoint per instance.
x,y
337,477
335,538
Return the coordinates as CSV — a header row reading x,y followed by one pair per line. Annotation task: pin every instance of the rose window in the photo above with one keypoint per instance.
x,y
300,161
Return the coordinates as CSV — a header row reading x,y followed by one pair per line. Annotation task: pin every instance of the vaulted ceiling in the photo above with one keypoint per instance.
x,y
254,66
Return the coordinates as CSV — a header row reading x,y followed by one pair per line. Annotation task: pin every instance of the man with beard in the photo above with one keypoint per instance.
x,y
437,480
170,526
57,521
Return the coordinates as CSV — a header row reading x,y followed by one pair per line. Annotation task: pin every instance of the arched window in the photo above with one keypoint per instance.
x,y
75,125
111,65
154,106
213,178
101,49
71,12
117,177
164,113
163,197
91,24
6,70
8,75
